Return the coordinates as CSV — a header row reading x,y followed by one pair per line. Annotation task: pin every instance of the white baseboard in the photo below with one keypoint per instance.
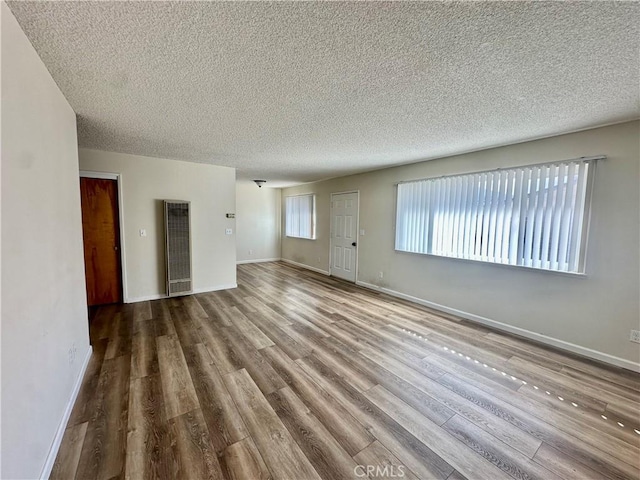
x,y
308,267
227,286
62,426
158,296
259,260
144,298
538,337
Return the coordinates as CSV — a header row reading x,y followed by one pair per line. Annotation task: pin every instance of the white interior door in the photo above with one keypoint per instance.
x,y
344,235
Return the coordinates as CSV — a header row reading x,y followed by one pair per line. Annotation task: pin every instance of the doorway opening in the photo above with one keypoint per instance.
x,y
344,235
99,193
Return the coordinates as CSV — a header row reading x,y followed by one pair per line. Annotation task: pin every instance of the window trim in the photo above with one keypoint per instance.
x,y
582,262
593,158
505,265
314,235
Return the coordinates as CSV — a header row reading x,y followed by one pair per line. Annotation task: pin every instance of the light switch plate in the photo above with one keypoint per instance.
x,y
143,232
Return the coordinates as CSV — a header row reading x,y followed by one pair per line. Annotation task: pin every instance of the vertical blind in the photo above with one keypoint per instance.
x,y
300,216
532,216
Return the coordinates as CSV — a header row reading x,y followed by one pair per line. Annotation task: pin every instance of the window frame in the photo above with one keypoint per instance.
x,y
312,226
584,224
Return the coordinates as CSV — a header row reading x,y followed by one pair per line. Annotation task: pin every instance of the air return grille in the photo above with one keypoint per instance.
x,y
178,237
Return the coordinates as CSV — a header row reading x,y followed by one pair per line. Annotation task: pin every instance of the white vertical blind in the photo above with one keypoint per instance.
x,y
531,216
300,220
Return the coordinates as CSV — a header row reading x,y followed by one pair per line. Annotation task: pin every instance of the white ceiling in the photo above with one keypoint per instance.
x,y
295,92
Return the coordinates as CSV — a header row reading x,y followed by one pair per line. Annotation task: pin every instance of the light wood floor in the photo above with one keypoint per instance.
x,y
298,376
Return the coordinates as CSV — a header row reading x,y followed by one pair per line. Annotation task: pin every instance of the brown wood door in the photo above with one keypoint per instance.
x,y
101,231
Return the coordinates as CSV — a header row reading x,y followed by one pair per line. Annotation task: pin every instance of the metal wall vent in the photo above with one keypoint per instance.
x,y
177,227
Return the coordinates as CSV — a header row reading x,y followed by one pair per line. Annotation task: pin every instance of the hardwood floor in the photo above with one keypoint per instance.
x,y
295,376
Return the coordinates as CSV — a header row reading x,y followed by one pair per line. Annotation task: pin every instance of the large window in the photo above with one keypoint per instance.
x,y
534,216
301,216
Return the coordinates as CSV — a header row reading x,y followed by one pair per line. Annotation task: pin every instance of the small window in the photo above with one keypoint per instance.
x,y
534,216
301,216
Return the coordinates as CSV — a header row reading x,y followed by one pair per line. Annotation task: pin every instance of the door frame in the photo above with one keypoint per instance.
x,y
357,192
118,178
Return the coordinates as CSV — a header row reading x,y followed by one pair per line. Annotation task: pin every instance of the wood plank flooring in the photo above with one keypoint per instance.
x,y
296,376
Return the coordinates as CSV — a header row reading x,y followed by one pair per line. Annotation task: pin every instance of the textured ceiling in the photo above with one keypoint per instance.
x,y
295,92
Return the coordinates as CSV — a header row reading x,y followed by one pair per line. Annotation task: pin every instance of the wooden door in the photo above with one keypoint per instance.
x,y
101,231
344,235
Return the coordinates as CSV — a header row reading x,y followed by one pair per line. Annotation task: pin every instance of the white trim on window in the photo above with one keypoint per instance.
x,y
300,216
533,216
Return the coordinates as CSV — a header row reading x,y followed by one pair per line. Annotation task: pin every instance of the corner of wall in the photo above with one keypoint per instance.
x,y
57,439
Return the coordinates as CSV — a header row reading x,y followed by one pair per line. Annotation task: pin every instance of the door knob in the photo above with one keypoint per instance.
x,y
353,244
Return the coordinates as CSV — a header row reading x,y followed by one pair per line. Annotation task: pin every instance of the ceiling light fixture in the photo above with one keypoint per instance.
x,y
260,183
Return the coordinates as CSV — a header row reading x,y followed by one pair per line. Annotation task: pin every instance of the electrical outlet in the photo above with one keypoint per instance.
x,y
635,336
380,275
319,260
250,252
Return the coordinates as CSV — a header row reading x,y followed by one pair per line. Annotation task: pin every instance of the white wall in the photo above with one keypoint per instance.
x,y
257,222
44,312
596,312
145,183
